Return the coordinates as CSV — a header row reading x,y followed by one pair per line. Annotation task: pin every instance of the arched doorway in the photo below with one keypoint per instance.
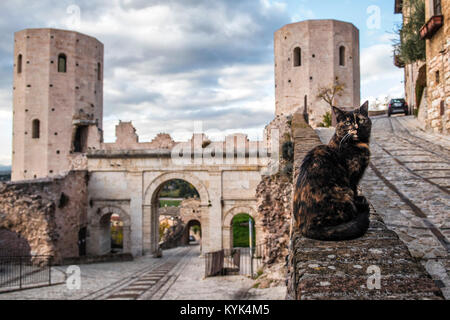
x,y
109,232
173,228
243,231
242,212
192,233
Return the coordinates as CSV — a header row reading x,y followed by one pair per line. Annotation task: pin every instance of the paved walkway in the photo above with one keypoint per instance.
x,y
179,274
408,183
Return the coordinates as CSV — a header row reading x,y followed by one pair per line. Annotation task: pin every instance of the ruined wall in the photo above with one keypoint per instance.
x,y
47,213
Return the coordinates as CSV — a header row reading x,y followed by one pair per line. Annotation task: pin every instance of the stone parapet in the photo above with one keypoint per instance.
x,y
348,269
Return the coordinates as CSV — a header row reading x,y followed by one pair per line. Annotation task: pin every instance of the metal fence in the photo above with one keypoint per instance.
x,y
22,272
243,261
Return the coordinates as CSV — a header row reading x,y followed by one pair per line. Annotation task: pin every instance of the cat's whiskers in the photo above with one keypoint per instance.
x,y
344,138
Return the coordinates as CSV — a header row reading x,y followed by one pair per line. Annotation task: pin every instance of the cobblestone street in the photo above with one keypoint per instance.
x,y
408,184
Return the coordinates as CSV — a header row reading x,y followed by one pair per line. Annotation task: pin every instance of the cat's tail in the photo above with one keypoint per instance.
x,y
346,231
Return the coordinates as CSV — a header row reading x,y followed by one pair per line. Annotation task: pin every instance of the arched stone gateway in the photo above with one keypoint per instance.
x,y
189,225
150,233
99,241
227,230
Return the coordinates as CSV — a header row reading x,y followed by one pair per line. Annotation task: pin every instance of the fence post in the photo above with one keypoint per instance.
x,y
50,271
20,272
250,226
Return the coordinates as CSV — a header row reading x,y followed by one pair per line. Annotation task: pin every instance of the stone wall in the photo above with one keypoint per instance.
x,y
438,73
347,269
47,213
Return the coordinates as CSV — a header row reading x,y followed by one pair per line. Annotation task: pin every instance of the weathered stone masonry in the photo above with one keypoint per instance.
x,y
47,213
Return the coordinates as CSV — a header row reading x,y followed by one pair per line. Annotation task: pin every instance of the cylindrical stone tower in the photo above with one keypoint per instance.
x,y
313,54
57,100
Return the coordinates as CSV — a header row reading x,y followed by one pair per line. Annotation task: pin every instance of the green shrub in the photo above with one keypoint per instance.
x,y
327,119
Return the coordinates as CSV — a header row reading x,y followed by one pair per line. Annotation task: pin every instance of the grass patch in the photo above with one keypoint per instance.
x,y
169,203
241,232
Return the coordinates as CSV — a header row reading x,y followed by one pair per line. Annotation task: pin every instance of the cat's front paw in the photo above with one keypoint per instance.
x,y
362,204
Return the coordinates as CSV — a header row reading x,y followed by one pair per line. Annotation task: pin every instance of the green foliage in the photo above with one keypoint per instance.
x,y
177,188
327,119
196,229
409,46
241,230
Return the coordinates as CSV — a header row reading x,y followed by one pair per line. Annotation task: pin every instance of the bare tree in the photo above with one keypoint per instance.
x,y
329,93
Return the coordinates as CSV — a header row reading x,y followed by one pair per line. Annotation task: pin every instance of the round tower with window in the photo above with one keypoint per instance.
x,y
57,100
311,55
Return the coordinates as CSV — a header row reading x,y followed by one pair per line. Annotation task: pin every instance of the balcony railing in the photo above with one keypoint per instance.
x,y
431,27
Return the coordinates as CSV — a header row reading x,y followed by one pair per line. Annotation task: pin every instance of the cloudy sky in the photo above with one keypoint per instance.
x,y
170,63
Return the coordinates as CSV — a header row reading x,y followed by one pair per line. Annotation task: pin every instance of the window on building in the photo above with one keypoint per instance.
x,y
297,57
36,128
99,71
80,139
342,56
62,63
438,77
19,63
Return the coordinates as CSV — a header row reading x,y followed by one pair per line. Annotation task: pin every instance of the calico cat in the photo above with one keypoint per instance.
x,y
326,203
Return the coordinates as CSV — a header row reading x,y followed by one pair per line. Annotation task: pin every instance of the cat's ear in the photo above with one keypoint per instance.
x,y
364,109
338,112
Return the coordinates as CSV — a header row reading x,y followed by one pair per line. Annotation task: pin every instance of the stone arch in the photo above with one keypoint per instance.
x,y
228,218
150,233
342,54
150,192
189,224
100,233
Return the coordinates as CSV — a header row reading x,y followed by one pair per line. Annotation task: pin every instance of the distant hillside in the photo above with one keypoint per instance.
x,y
5,168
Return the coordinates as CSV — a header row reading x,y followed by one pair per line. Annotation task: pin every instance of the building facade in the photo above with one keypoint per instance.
x,y
436,31
432,76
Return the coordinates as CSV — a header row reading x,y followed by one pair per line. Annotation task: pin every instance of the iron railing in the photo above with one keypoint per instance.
x,y
244,261
19,272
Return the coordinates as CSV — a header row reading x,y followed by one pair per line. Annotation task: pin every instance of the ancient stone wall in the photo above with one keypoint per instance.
x,y
438,73
47,213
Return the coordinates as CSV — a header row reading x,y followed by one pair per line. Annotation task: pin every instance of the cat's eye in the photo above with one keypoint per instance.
x,y
362,120
347,123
